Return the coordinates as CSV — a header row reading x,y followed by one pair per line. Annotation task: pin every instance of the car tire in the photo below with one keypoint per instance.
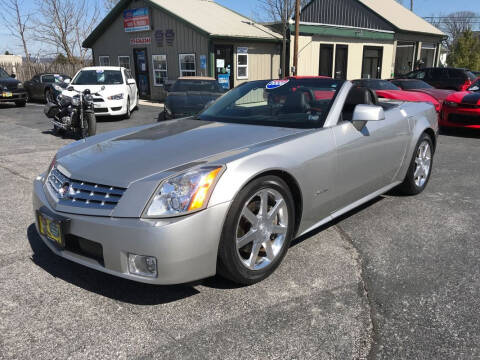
x,y
48,96
162,116
248,252
420,168
21,103
128,114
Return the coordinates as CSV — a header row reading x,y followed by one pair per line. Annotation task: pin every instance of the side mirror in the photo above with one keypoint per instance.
x,y
368,113
67,81
13,76
474,88
70,88
131,82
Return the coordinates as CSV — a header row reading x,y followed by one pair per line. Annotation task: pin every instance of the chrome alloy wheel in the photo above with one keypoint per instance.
x,y
423,161
262,229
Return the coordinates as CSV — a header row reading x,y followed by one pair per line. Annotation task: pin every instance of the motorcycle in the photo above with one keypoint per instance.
x,y
73,111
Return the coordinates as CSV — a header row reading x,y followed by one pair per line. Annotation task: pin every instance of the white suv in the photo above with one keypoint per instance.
x,y
113,88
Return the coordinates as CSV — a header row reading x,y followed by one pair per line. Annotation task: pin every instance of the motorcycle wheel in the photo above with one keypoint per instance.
x,y
92,124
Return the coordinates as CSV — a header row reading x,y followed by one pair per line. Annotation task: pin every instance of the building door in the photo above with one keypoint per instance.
x,y
326,60
372,62
224,63
141,72
341,60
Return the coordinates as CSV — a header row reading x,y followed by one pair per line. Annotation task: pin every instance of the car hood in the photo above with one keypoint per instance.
x,y
439,94
123,157
467,97
107,91
8,83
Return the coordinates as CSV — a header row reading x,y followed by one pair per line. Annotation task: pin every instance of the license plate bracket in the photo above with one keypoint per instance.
x,y
52,227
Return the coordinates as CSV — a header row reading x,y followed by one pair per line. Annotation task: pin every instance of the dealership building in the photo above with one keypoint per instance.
x,y
353,39
161,40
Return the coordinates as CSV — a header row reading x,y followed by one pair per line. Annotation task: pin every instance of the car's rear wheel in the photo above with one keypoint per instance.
x,y
418,173
257,232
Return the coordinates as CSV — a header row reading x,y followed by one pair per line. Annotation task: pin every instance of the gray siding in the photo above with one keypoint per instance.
x,y
344,13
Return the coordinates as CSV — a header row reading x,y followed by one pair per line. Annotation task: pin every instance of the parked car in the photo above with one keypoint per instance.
x,y
387,90
45,86
113,88
423,87
462,109
189,95
11,90
227,190
444,78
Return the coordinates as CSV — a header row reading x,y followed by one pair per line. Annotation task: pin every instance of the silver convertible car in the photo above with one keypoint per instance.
x,y
226,191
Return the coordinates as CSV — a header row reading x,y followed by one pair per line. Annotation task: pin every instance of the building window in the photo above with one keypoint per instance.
x,y
124,61
242,63
187,64
427,55
326,60
404,58
104,60
159,69
341,61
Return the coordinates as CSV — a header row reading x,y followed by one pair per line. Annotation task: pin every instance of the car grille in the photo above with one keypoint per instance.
x,y
464,119
83,194
97,100
101,110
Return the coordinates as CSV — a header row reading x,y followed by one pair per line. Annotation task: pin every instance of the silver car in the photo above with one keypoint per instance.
x,y
226,192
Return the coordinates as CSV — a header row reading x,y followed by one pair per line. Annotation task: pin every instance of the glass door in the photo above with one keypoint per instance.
x,y
141,72
372,62
326,60
341,60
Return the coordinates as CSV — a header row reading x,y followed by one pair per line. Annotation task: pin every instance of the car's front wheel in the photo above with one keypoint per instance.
x,y
257,231
418,173
128,114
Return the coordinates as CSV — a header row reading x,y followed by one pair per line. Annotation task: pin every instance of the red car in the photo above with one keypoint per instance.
x,y
385,89
462,109
423,87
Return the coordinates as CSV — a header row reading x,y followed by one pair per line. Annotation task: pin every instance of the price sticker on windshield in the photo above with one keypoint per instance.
x,y
276,83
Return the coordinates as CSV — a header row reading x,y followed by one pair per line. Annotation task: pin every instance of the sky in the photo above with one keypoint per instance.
x,y
250,8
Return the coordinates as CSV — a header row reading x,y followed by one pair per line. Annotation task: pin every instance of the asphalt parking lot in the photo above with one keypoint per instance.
x,y
398,278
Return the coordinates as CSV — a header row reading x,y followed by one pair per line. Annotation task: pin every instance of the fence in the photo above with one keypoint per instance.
x,y
26,71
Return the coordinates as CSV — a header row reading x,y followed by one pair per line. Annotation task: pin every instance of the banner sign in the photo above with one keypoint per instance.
x,y
136,20
140,41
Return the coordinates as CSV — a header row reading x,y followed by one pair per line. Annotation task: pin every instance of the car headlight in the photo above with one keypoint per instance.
x,y
184,193
76,100
116,97
451,103
50,167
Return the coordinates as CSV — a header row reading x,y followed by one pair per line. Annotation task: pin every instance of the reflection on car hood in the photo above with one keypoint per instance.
x,y
123,157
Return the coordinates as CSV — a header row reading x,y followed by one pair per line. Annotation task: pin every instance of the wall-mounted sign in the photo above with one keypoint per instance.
x,y
136,20
203,62
170,36
242,50
159,38
140,41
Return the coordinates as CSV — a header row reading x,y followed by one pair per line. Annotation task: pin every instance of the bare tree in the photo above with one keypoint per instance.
x,y
17,23
110,4
454,25
64,24
280,11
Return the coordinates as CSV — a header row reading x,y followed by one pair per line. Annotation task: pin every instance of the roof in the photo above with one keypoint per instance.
x,y
400,17
196,78
213,19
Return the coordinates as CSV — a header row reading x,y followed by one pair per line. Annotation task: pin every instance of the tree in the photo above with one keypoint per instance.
x,y
64,24
454,25
465,52
281,11
17,23
7,52
110,4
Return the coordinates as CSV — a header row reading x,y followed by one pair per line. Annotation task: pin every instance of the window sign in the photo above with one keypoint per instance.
x,y
136,20
187,64
159,69
220,63
203,62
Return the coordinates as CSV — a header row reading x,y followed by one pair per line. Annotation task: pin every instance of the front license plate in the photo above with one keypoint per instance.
x,y
51,228
7,94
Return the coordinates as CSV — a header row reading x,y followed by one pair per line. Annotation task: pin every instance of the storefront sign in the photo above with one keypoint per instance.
x,y
170,36
136,20
140,41
203,62
159,38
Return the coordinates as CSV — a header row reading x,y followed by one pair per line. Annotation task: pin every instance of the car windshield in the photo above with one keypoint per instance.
x,y
54,78
98,77
413,84
295,103
3,74
376,84
195,85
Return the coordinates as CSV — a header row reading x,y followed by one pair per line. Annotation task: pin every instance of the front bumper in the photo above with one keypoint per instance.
x,y
17,95
460,117
185,247
110,107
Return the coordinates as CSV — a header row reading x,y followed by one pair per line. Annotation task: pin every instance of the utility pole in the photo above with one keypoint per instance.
x,y
411,5
297,31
